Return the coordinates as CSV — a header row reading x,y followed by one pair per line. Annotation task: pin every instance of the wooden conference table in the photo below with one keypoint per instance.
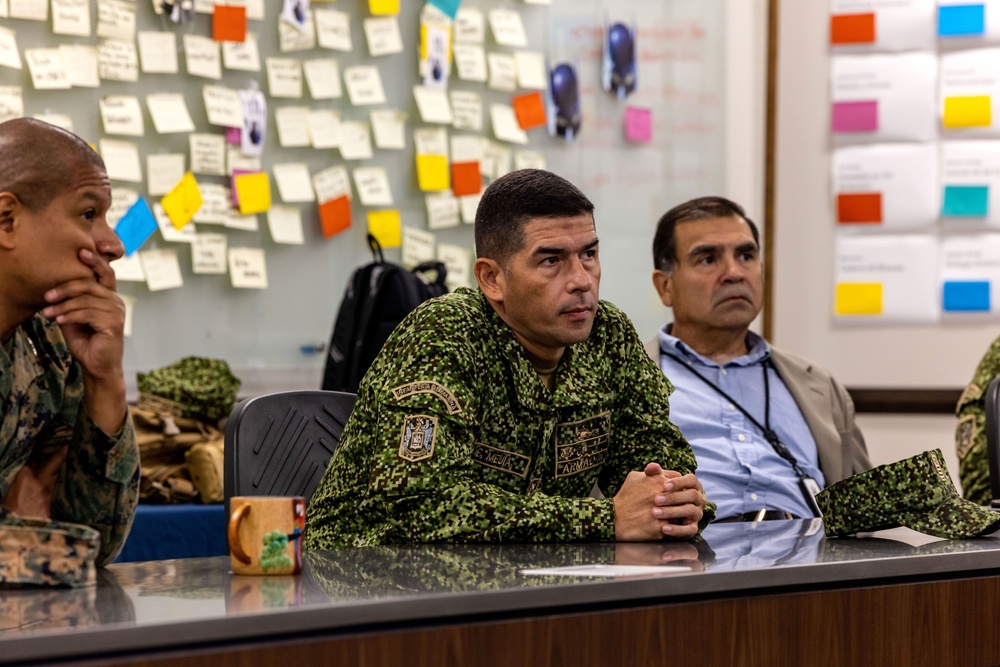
x,y
774,593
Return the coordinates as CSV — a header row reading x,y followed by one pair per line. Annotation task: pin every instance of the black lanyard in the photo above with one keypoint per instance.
x,y
769,434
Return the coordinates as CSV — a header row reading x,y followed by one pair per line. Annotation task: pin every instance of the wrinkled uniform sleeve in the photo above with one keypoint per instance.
x,y
970,430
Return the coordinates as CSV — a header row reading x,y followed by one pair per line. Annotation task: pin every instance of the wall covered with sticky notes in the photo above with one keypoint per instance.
x,y
915,161
252,144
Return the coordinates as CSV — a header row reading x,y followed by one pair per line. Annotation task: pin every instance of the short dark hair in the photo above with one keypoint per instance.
x,y
514,199
702,208
38,160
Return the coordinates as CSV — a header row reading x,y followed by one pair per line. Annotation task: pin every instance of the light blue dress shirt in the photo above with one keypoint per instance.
x,y
738,467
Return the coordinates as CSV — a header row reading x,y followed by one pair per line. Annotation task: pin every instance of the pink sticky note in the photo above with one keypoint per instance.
x,y
232,183
859,116
233,135
638,124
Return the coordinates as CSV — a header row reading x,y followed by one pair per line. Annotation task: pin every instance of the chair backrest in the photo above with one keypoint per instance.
x,y
993,437
279,444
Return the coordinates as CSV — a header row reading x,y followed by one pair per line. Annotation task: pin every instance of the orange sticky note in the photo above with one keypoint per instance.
x,y
465,178
860,207
432,173
386,228
852,28
335,215
253,192
967,111
181,203
530,110
229,23
859,299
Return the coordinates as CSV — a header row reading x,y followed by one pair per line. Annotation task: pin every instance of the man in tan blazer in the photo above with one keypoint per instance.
x,y
768,428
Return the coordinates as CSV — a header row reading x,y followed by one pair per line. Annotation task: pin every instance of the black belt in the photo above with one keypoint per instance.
x,y
758,515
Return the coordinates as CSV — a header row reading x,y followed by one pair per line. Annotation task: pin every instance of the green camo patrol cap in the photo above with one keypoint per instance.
x,y
194,387
916,492
39,552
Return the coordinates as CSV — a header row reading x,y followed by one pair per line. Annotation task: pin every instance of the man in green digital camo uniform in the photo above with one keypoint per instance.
x,y
490,415
67,448
970,433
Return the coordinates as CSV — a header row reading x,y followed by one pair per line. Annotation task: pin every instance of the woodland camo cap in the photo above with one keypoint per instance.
x,y
916,492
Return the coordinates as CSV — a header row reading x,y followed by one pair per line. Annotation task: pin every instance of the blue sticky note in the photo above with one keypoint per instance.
x,y
966,295
137,225
965,200
449,7
961,20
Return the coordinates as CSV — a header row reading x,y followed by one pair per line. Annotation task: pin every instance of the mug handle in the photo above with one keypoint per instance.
x,y
234,533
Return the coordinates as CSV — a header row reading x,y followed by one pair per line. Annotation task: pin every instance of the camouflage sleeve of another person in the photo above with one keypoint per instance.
x,y
970,432
433,491
643,432
99,483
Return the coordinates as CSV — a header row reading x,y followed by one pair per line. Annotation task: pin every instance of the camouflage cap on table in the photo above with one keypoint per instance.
x,y
916,492
193,387
38,552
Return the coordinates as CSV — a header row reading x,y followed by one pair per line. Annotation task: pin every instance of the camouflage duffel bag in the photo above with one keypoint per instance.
x,y
39,552
194,387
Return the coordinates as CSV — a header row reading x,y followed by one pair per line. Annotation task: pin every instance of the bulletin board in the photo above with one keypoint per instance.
x,y
273,337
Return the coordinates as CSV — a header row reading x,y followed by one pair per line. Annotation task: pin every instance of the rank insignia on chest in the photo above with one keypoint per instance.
x,y
417,440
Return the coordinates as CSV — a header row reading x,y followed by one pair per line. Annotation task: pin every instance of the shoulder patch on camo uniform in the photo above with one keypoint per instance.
x,y
971,392
582,445
500,459
964,435
417,440
429,387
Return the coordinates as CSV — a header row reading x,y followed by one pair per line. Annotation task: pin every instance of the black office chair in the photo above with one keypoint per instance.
x,y
993,438
279,444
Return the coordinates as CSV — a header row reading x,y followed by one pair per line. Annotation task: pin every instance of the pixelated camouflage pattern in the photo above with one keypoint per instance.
x,y
37,552
41,393
203,388
509,461
916,492
970,431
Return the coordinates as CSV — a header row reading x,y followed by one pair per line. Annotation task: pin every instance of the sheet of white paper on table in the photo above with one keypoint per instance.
x,y
169,113
906,176
117,60
972,258
503,75
222,106
900,25
31,10
417,247
468,204
48,71
457,260
389,128
470,62
372,186
905,265
9,54
600,570
121,114
470,25
129,269
466,110
285,223
247,268
903,88
333,29
383,36
116,19
208,154
323,77
12,104
508,28
466,147
81,66
185,234
972,163
430,141
291,39
971,73
202,57
355,141
284,77
324,128
208,254
121,201
505,125
71,17
442,210
529,160
364,85
216,202
161,269
121,159
158,52
432,104
242,56
294,182
293,126
331,183
530,66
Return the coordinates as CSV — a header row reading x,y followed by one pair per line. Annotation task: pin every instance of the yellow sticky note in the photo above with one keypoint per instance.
x,y
384,226
383,7
253,192
181,203
432,173
968,111
859,299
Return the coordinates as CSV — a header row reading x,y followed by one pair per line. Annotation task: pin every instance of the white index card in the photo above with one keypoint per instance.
x,y
81,65
383,35
324,128
9,55
457,260
285,223
247,268
530,66
291,38
503,75
294,182
47,69
11,103
470,61
116,19
323,77
442,210
222,106
508,28
163,172
470,26
970,92
333,29
242,56
389,128
208,254
121,114
364,85
355,141
169,113
331,183
417,247
900,25
432,104
121,159
129,269
161,268
505,125
208,154
372,185
293,126
202,57
71,17
466,110
284,77
117,60
30,10
158,52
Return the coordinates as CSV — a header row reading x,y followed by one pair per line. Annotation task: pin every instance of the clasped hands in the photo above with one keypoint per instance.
x,y
657,503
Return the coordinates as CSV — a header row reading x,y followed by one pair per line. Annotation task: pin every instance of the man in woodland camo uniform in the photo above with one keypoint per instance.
x,y
970,433
491,414
67,448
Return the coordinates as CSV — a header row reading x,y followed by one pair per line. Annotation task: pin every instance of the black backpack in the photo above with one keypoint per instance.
x,y
378,297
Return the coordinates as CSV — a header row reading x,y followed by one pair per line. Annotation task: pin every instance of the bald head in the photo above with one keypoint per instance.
x,y
37,160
